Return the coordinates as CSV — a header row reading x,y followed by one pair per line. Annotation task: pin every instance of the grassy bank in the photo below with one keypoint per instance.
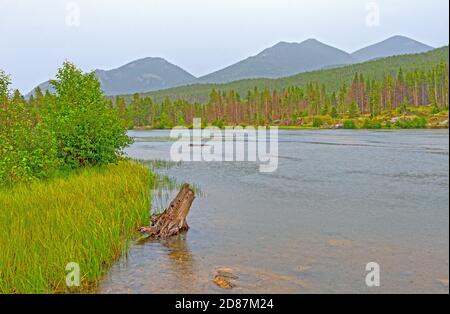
x,y
87,218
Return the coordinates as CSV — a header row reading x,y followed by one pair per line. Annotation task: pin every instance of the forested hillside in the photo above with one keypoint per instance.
x,y
400,95
331,78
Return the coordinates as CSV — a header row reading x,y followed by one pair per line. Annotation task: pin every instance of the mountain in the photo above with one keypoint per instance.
x,y
142,75
281,60
393,46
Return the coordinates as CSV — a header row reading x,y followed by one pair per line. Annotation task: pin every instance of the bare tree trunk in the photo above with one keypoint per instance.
x,y
173,219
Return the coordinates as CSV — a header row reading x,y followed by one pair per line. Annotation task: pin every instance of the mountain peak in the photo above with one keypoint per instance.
x,y
400,38
311,41
285,44
146,60
395,45
282,59
141,75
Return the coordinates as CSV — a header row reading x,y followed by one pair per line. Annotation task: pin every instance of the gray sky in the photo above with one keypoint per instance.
x,y
199,35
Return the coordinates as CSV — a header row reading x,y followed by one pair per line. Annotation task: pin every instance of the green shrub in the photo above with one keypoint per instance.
x,y
415,123
387,124
317,122
349,124
371,124
334,112
163,121
88,131
435,109
219,123
353,110
27,146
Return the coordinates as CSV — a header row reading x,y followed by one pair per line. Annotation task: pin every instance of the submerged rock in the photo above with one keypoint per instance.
x,y
223,278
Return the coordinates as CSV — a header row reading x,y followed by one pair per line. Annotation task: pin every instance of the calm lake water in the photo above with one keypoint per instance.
x,y
339,200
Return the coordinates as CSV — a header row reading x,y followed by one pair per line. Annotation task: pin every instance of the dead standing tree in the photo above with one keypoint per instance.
x,y
172,220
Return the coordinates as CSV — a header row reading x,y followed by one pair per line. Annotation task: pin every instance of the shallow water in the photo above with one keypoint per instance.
x,y
338,200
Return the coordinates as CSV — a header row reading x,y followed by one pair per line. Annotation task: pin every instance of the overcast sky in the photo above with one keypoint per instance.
x,y
201,36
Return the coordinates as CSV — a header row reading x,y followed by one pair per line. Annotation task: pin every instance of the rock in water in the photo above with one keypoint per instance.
x,y
224,277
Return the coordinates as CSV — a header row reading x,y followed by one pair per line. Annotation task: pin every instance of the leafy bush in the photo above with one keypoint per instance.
x,y
219,123
349,124
27,147
371,124
435,109
415,123
353,110
334,112
163,121
88,131
317,122
387,124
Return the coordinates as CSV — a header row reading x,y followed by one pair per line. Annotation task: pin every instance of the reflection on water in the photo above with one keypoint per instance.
x,y
180,262
339,200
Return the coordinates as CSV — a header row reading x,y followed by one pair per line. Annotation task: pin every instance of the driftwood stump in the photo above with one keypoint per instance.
x,y
173,219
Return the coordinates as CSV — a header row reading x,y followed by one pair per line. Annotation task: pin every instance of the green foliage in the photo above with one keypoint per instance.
x,y
317,122
219,123
88,131
5,81
163,121
353,110
403,109
371,124
27,147
74,128
435,109
334,112
349,124
414,123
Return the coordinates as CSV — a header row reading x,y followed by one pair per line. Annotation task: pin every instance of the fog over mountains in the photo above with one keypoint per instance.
x,y
280,60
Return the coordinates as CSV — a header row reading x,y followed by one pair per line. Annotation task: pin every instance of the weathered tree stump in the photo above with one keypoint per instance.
x,y
173,219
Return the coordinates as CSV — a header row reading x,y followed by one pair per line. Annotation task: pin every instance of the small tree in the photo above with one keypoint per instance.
x,y
317,122
353,110
334,112
27,147
5,81
88,131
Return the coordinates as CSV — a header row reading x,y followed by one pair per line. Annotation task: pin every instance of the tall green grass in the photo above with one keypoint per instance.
x,y
87,218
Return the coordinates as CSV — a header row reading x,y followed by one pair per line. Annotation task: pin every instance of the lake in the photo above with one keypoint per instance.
x,y
338,200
